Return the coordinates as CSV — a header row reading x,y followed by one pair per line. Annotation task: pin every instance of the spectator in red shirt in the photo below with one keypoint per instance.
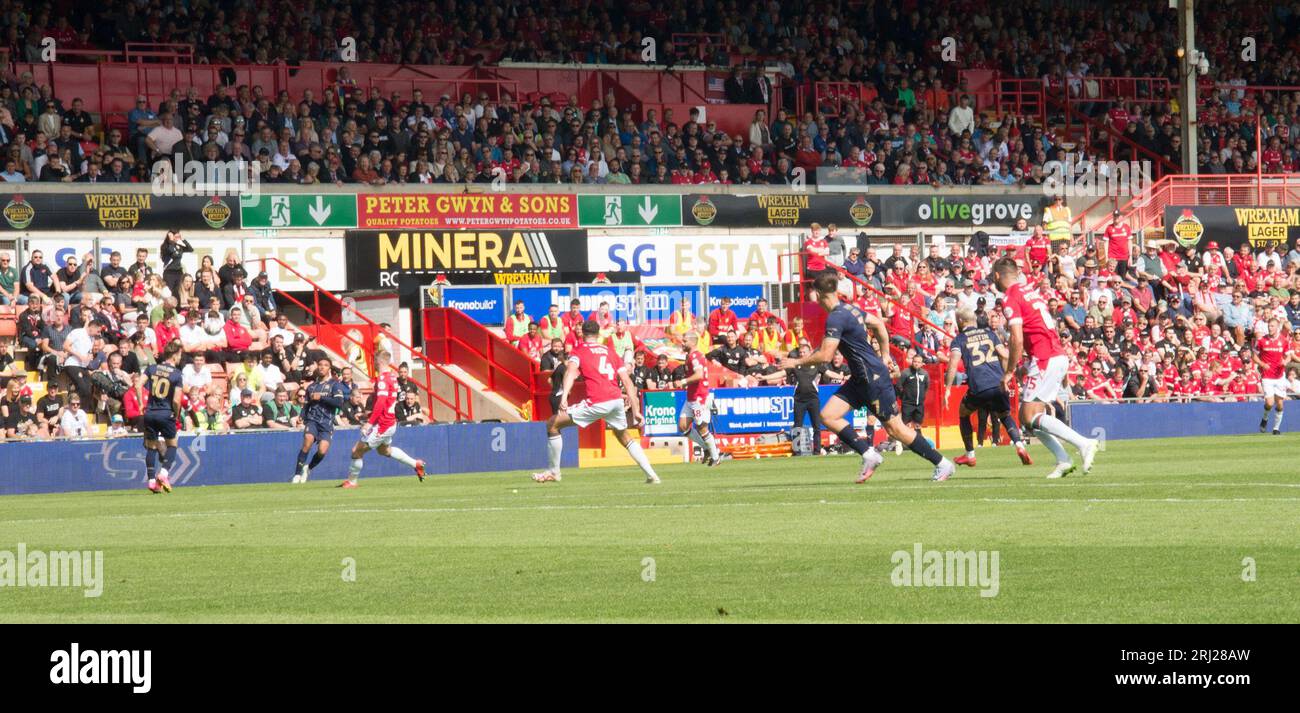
x,y
816,249
1118,245
761,314
723,320
573,319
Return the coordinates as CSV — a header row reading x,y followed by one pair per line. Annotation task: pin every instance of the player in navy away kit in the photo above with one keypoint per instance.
x,y
161,412
324,399
869,383
979,349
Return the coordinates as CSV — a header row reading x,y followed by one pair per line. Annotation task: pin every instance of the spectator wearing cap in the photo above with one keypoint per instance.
x,y
246,414
263,294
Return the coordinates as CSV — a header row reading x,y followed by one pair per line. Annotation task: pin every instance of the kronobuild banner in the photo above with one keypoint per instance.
x,y
699,258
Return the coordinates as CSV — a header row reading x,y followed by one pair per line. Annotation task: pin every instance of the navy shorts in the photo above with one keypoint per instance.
x,y
877,394
159,426
991,400
321,432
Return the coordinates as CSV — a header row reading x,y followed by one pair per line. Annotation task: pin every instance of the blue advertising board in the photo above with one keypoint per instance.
x,y
485,305
538,300
659,301
622,300
764,409
236,458
744,298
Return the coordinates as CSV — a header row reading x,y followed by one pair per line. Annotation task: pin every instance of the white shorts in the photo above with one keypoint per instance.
x,y
1044,385
697,412
584,414
1275,388
379,438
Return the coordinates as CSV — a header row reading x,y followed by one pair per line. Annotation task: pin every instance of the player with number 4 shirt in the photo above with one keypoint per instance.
x,y
603,373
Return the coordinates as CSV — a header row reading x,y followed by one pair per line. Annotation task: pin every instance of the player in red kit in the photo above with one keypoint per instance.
x,y
378,431
602,370
698,409
1271,354
1033,334
1118,245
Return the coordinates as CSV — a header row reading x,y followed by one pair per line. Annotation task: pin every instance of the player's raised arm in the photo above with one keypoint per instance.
x,y
823,355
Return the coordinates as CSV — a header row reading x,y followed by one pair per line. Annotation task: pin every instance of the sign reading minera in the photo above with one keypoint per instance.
x,y
299,211
629,211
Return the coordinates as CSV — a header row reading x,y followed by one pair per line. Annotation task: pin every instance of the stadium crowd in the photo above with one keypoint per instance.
x,y
911,120
90,331
1157,324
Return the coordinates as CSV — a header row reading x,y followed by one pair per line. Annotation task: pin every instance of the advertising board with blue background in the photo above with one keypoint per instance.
x,y
764,409
485,305
538,300
661,300
744,298
622,300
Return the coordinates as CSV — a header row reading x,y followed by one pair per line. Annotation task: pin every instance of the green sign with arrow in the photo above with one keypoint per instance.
x,y
629,211
298,211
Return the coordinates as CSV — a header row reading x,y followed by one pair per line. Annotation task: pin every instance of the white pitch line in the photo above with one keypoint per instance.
x,y
663,506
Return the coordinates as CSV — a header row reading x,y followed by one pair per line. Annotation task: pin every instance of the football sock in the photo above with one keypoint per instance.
x,y
554,449
694,436
922,448
849,437
168,458
1052,425
1277,419
1054,446
712,442
354,469
150,462
400,456
967,437
1012,430
316,459
302,458
638,456
1263,420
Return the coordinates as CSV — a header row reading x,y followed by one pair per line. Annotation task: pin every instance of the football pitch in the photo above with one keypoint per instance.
x,y
1185,530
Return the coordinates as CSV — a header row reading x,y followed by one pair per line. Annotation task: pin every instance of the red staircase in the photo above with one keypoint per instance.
x,y
339,336
451,337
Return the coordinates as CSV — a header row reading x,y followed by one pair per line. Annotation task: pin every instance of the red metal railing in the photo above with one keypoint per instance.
x,y
463,409
452,337
1147,210
502,91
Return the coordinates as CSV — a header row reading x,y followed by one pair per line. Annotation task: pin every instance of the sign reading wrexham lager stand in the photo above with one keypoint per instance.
x,y
298,211
629,211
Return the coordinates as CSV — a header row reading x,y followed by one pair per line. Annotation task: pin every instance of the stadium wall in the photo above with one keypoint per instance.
x,y
268,457
1170,420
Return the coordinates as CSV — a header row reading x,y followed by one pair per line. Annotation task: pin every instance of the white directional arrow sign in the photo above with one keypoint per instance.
x,y
320,212
648,211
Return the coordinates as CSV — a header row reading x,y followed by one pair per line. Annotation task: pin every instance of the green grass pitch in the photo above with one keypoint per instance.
x,y
1160,531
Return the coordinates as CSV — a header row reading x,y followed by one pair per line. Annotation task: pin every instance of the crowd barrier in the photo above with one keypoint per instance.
x,y
269,457
1172,420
